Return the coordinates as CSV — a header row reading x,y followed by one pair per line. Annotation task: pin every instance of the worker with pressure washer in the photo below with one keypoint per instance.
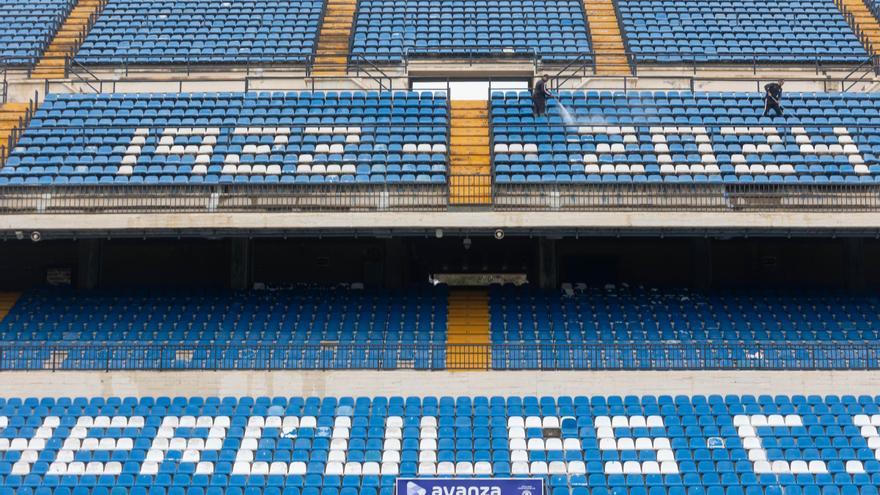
x,y
773,98
540,94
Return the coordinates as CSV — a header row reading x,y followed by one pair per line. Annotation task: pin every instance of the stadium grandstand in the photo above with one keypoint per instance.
x,y
428,247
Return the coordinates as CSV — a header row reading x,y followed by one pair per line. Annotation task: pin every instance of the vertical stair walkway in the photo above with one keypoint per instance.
x,y
331,54
470,174
7,301
11,116
606,38
67,40
468,341
863,22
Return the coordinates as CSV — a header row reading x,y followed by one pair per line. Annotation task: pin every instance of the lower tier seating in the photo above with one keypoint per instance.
x,y
344,328
651,445
225,138
684,137
581,314
346,321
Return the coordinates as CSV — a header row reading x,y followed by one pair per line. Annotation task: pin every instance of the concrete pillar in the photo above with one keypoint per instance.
x,y
855,266
88,265
701,259
396,264
240,263
548,264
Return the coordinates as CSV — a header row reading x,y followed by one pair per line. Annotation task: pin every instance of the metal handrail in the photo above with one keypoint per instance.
x,y
630,59
865,74
378,79
722,198
595,355
304,61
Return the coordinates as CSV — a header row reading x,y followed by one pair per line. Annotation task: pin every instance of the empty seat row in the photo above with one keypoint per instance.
x,y
27,26
387,30
309,137
686,137
203,32
700,31
328,445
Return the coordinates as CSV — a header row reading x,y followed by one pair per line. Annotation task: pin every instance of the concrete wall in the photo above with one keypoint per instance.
x,y
353,383
624,221
232,78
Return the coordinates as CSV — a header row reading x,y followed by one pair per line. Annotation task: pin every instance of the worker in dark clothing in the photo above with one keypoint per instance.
x,y
540,95
773,98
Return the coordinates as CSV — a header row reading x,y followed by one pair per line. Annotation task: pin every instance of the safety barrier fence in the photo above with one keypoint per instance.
x,y
373,63
519,356
266,198
208,199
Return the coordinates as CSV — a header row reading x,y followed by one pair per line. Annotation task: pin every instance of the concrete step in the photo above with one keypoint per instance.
x,y
480,161
470,123
605,36
471,150
333,39
330,59
864,21
66,40
11,114
462,113
469,140
470,171
469,104
468,346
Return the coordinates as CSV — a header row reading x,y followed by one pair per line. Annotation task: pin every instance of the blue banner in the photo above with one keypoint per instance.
x,y
469,486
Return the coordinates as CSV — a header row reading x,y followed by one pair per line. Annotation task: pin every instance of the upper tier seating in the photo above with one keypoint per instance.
x,y
308,316
203,31
688,137
735,31
386,29
365,137
526,314
27,27
731,445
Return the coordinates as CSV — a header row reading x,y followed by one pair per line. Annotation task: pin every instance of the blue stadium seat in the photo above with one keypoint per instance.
x,y
798,31
27,26
234,138
135,32
385,30
680,136
650,445
340,322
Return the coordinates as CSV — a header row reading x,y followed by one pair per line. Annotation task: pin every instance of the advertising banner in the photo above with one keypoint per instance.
x,y
469,486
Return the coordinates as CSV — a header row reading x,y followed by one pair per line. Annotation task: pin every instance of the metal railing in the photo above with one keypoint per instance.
x,y
863,37
684,197
255,64
22,124
478,192
226,198
514,356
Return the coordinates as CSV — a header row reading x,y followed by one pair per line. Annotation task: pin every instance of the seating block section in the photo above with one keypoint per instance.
x,y
26,27
386,29
658,445
67,40
687,137
203,32
732,31
218,138
353,325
